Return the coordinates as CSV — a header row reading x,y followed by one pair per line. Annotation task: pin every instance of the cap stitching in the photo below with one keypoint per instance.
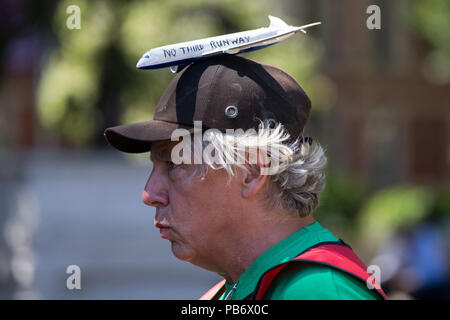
x,y
214,84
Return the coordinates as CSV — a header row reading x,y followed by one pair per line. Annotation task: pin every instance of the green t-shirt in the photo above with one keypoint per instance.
x,y
313,282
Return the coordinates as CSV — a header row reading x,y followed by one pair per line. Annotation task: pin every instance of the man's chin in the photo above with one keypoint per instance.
x,y
185,254
181,252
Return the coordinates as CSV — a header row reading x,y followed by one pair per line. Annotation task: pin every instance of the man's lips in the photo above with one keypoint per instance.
x,y
163,229
163,233
161,225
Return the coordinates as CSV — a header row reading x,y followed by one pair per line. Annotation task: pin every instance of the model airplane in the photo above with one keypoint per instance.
x,y
177,56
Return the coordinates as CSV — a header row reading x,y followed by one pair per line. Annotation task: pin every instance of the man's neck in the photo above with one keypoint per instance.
x,y
243,251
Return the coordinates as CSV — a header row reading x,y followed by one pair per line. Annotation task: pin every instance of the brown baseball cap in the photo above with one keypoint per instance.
x,y
225,92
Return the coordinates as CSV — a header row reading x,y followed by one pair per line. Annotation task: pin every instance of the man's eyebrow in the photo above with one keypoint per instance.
x,y
155,157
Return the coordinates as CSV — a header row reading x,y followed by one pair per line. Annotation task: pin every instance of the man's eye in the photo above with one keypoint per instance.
x,y
171,165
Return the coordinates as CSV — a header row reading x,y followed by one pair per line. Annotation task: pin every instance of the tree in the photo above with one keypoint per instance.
x,y
90,81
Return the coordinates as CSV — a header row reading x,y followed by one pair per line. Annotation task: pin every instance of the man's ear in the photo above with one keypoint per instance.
x,y
252,181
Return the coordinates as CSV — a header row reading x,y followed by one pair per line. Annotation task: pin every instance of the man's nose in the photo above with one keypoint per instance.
x,y
155,194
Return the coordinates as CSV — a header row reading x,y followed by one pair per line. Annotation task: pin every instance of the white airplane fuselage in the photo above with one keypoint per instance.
x,y
185,52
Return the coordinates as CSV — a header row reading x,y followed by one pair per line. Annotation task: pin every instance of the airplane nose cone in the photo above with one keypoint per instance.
x,y
141,63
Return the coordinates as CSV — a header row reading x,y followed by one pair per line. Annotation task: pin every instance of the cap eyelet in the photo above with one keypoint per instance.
x,y
231,111
271,123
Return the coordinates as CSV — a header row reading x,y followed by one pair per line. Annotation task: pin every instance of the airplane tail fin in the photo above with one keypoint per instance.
x,y
277,22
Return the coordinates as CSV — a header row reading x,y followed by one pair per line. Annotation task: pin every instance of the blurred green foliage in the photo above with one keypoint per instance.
x,y
391,210
368,218
340,202
431,19
90,81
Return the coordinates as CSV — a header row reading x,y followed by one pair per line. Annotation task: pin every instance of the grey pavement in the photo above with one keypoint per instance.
x,y
88,212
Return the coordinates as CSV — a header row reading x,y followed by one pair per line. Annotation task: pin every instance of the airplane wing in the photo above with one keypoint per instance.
x,y
235,49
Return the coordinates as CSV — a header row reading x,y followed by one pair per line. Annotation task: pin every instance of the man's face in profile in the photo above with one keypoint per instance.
x,y
194,215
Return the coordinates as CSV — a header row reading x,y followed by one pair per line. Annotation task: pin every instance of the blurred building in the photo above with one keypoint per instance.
x,y
390,121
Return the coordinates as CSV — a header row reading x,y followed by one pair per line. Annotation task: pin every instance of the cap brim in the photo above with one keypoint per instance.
x,y
138,137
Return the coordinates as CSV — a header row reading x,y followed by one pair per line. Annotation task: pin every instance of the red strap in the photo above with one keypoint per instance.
x,y
336,256
214,291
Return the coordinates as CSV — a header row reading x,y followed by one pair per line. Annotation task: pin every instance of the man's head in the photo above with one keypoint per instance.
x,y
227,92
255,171
201,217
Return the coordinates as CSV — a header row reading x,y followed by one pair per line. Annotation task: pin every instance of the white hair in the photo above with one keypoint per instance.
x,y
296,174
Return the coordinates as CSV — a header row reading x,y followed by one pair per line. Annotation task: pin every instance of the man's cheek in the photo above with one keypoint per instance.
x,y
185,191
182,205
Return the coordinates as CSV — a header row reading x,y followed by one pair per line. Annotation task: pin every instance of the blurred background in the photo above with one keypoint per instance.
x,y
381,108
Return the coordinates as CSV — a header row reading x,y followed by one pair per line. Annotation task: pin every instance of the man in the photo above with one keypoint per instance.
x,y
238,198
